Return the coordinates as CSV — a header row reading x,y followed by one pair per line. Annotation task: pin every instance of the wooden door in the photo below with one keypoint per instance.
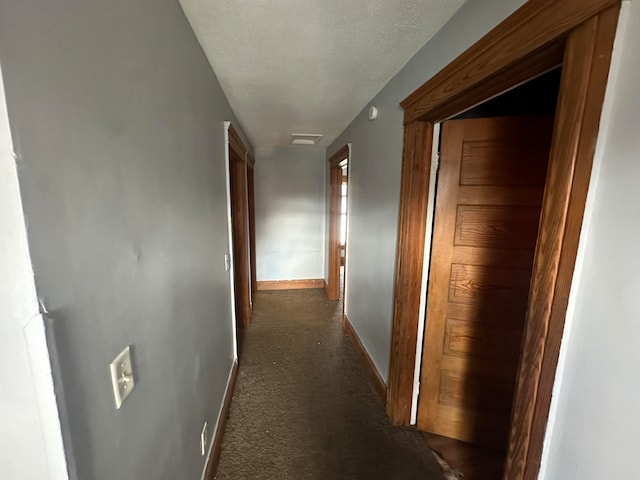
x,y
239,216
489,194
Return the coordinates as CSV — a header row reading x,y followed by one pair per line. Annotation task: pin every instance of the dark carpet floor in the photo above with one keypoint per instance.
x,y
303,405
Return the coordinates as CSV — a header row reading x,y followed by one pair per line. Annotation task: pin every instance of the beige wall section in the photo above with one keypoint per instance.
x,y
594,419
374,176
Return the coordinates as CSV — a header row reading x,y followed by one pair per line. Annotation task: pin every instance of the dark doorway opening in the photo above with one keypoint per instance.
x,y
490,188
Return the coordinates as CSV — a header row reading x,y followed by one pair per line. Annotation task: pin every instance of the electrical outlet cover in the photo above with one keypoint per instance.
x,y
122,376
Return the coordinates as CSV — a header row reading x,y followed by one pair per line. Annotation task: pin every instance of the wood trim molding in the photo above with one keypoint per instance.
x,y
334,190
251,160
497,52
290,284
240,229
525,45
588,56
239,153
251,217
539,62
414,198
335,159
374,374
214,453
236,143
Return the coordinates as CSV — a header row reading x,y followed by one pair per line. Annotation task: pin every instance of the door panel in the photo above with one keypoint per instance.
x,y
464,338
494,226
489,193
493,163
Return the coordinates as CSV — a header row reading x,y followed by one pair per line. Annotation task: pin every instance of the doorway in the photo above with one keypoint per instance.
x,y
490,187
337,244
344,188
537,37
490,183
251,212
242,236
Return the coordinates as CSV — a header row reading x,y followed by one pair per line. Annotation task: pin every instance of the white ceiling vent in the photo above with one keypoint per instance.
x,y
305,138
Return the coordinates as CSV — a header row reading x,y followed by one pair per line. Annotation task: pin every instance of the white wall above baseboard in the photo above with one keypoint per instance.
x,y
33,448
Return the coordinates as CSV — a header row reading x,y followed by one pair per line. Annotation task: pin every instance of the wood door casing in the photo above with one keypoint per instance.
x,y
335,185
489,195
239,215
252,222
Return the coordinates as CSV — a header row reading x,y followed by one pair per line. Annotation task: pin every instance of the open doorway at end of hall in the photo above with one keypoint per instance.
x,y
489,189
338,214
344,179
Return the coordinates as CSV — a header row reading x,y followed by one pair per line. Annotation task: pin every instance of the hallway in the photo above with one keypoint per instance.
x,y
303,405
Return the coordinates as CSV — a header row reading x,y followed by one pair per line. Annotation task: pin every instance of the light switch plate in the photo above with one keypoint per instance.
x,y
122,376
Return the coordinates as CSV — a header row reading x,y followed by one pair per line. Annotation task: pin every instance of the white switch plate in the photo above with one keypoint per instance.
x,y
226,262
122,376
204,439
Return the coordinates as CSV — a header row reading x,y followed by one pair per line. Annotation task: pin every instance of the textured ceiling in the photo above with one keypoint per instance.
x,y
309,66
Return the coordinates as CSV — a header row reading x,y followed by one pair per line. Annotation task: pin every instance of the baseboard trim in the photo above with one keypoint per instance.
x,y
214,450
325,286
290,284
378,382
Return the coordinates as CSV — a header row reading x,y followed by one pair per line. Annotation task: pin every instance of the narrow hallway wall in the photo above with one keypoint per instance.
x,y
374,175
117,123
290,213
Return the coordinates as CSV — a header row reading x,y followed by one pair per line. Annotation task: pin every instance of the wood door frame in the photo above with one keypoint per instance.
x,y
240,229
251,162
335,184
539,36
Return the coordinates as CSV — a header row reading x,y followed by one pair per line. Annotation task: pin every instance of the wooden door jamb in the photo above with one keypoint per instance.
x,y
238,154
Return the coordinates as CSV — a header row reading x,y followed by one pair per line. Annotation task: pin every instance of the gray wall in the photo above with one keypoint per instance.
x,y
116,118
290,199
594,421
374,175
